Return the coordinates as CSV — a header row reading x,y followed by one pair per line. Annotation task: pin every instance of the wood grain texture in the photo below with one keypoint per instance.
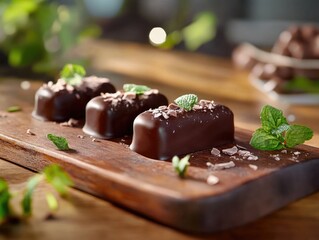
x,y
110,170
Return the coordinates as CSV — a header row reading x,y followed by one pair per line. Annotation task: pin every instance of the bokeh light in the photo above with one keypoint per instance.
x,y
157,36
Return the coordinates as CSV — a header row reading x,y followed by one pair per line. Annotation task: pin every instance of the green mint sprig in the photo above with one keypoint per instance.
x,y
180,165
137,89
72,74
186,101
276,133
60,142
52,174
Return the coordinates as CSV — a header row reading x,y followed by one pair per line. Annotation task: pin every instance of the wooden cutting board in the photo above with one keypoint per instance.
x,y
110,170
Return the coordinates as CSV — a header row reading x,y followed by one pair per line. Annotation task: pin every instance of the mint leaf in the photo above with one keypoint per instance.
x,y
276,133
186,101
271,118
72,74
5,197
58,178
27,197
297,134
180,165
264,141
60,142
137,89
14,109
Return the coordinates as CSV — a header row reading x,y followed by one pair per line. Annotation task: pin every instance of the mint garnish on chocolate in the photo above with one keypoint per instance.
x,y
186,101
137,89
72,74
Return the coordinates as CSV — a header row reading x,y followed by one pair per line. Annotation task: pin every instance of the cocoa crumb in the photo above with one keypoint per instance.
x,y
71,123
30,132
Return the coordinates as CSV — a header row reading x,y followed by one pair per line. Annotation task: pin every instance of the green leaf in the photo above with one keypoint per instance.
x,y
60,142
14,109
73,74
201,31
186,101
297,134
271,118
181,165
5,197
137,89
265,141
58,178
276,133
27,198
52,202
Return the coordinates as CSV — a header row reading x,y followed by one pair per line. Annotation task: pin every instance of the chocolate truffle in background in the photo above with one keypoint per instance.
x,y
298,42
242,58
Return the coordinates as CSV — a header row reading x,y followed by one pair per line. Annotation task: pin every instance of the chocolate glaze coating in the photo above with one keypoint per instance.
x,y
165,132
112,115
60,102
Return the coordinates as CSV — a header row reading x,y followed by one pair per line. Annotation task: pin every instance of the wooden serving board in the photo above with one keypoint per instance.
x,y
110,170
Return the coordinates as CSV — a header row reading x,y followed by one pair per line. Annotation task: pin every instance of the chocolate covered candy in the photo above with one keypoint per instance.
x,y
167,131
62,101
112,115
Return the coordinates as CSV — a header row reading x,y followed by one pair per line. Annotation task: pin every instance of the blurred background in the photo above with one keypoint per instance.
x,y
37,34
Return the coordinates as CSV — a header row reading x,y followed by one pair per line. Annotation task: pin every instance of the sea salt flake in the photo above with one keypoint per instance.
x,y
284,151
221,166
215,152
80,136
212,180
252,158
244,153
230,151
164,114
297,153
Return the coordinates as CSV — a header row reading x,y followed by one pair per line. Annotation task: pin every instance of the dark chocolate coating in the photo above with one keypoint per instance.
x,y
162,137
113,116
59,102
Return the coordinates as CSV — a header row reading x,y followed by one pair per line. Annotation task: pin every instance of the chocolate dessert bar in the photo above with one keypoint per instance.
x,y
167,131
112,115
61,101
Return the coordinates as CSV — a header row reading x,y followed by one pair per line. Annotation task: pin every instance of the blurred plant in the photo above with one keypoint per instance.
x,y
52,175
200,31
37,34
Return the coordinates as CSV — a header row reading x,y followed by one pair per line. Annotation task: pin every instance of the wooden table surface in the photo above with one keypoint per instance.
x,y
174,73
